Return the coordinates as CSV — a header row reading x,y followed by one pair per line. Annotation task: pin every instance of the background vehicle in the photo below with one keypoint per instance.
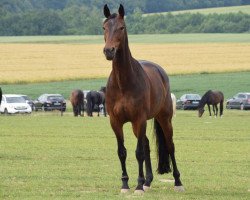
x,y
49,102
12,103
188,101
28,100
239,101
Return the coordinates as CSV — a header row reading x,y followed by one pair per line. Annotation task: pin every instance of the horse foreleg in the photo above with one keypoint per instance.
x,y
209,109
122,154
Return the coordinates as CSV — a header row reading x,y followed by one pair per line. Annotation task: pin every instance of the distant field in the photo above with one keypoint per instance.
x,y
206,11
35,62
228,83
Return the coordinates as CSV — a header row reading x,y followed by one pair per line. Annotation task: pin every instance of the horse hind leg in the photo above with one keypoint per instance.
x,y
167,130
142,154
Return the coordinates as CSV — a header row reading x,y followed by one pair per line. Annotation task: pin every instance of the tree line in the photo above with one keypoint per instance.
x,y
84,17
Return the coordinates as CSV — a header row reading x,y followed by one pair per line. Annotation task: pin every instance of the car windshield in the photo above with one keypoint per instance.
x,y
26,97
15,100
193,97
55,98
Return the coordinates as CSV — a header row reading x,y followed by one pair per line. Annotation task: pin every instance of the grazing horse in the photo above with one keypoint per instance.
x,y
77,101
137,91
211,98
96,98
174,104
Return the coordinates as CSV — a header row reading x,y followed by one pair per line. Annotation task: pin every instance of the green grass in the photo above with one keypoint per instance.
x,y
151,39
46,156
229,83
206,11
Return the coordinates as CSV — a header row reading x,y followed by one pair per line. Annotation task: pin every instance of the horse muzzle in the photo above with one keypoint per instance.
x,y
109,53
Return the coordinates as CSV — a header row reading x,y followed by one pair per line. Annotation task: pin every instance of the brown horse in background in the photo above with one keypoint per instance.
x,y
138,91
211,98
77,101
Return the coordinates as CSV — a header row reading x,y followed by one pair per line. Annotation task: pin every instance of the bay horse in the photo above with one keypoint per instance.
x,y
211,98
96,98
138,91
77,101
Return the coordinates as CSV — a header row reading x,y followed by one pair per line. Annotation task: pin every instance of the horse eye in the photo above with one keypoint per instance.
x,y
103,28
122,28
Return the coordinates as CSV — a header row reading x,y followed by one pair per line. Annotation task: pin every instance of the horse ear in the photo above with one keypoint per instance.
x,y
121,11
106,11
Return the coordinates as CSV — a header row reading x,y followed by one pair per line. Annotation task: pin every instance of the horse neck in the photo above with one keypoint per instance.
x,y
203,101
125,67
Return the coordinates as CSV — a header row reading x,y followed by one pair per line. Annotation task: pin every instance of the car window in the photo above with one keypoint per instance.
x,y
55,98
15,100
183,97
241,96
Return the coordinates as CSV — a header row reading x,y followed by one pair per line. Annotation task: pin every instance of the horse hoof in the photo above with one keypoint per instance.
x,y
139,192
179,188
146,188
123,191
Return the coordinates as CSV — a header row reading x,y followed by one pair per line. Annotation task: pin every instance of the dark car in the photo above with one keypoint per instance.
x,y
239,101
48,102
28,100
188,101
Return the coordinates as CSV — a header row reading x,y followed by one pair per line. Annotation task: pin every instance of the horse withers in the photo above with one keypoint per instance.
x,y
137,91
211,97
77,101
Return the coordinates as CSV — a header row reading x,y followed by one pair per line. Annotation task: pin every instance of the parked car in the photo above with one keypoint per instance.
x,y
188,101
12,103
49,102
28,100
239,101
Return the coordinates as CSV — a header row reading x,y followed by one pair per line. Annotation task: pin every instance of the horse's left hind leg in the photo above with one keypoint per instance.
x,y
168,133
216,110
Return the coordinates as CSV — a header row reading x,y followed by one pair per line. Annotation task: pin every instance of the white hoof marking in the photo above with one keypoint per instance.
x,y
123,191
139,192
179,188
145,188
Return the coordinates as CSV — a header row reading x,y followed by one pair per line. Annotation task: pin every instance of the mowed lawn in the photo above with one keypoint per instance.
x,y
68,58
46,156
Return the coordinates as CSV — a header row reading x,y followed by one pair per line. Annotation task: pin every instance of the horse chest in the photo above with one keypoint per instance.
x,y
125,107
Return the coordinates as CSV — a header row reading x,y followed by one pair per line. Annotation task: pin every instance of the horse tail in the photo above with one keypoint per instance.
x,y
162,149
89,104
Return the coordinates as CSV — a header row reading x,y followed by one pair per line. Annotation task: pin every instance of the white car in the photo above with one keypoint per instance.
x,y
12,103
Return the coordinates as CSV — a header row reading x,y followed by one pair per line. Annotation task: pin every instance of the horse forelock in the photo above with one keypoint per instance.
x,y
114,15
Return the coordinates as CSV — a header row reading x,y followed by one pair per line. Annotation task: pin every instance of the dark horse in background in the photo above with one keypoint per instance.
x,y
0,95
138,91
96,98
77,101
211,98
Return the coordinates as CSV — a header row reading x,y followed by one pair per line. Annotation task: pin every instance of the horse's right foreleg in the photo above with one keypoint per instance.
x,y
122,153
209,109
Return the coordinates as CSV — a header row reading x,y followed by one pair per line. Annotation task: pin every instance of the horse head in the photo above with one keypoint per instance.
x,y
200,111
114,32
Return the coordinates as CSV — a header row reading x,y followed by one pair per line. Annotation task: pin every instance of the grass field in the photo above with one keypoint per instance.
x,y
206,11
35,62
72,158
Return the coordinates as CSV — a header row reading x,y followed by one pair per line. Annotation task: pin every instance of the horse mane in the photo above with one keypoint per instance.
x,y
114,15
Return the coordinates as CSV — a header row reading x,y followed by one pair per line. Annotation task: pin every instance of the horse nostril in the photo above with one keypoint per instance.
x,y
112,49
